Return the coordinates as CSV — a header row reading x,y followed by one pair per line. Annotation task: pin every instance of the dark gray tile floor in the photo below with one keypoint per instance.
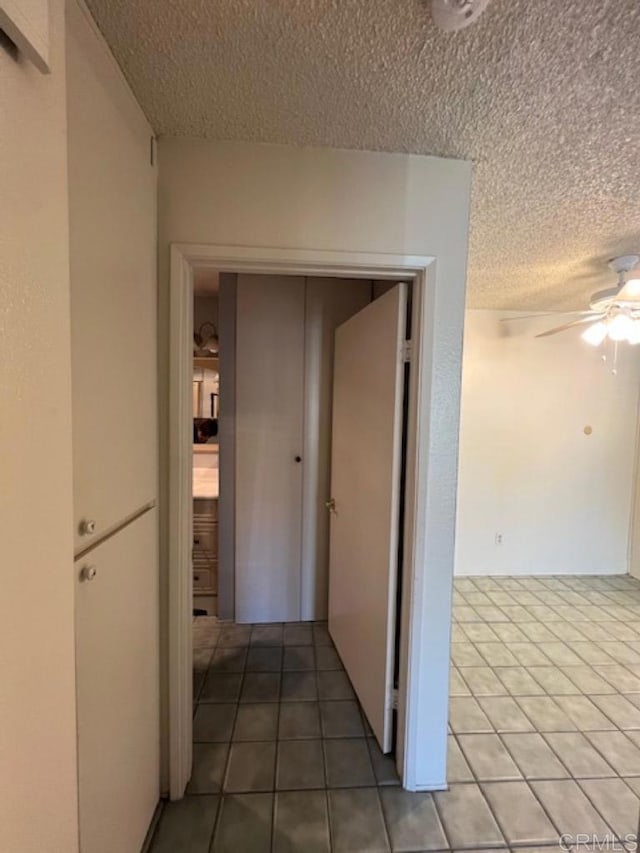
x,y
544,732
283,754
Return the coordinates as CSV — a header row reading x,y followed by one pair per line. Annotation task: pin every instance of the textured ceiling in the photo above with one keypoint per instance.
x,y
542,95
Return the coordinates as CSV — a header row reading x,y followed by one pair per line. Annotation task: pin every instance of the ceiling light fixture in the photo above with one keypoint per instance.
x,y
620,327
613,313
595,334
452,15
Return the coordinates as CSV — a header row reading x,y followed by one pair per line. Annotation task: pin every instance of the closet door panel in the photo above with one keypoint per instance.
x,y
112,235
269,437
329,303
118,688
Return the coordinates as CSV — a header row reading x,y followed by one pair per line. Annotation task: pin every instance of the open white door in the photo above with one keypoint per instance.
x,y
365,489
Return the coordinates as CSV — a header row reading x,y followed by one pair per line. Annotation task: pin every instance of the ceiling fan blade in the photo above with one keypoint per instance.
x,y
546,314
557,329
524,317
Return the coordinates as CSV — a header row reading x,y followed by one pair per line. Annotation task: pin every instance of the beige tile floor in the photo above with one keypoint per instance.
x,y
544,732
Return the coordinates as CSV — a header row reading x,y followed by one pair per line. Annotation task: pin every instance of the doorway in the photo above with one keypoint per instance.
x,y
320,369
206,448
417,270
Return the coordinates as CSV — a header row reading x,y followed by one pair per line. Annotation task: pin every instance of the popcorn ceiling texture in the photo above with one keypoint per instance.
x,y
543,97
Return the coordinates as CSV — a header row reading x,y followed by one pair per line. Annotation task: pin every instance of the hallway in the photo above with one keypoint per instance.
x,y
278,731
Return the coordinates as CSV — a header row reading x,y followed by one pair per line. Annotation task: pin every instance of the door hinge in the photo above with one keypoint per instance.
x,y
393,699
152,151
406,351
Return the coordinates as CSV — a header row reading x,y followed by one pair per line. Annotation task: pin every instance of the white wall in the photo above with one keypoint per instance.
x,y
561,499
326,199
38,807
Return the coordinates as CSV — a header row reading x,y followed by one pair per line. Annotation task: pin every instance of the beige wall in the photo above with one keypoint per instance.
x,y
560,499
38,806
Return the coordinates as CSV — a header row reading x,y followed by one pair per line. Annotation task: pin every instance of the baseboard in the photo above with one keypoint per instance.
x,y
155,820
432,786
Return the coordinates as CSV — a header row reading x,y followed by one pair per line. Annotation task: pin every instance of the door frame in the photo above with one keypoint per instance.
x,y
423,693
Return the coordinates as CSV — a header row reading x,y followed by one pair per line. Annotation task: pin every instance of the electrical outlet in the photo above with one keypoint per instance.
x,y
498,538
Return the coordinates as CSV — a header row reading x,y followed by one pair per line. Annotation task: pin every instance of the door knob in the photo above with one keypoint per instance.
x,y
88,573
331,506
87,527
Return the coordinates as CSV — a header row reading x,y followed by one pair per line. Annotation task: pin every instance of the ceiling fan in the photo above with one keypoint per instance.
x,y
613,313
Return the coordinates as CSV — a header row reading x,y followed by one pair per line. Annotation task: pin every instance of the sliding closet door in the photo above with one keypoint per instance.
x,y
269,436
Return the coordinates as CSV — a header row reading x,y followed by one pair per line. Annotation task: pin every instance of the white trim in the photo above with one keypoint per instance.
x,y
227,443
238,259
28,28
420,571
432,786
307,262
180,525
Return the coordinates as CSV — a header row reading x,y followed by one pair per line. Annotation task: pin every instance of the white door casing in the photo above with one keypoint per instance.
x,y
433,424
365,488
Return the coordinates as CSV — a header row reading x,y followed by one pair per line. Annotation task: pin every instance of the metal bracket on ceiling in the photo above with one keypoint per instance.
x,y
452,15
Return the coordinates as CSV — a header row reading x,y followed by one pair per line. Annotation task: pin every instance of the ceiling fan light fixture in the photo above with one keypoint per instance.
x,y
621,327
630,290
595,334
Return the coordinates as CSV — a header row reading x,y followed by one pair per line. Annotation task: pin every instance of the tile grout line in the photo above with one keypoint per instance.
x,y
276,762
486,802
228,756
218,816
324,759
